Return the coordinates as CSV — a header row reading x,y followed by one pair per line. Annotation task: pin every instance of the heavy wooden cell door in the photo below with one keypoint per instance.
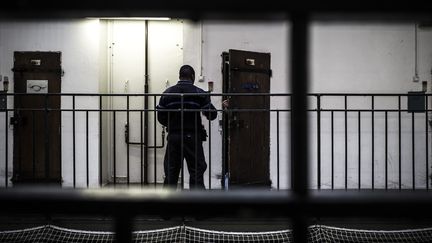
x,y
37,133
246,147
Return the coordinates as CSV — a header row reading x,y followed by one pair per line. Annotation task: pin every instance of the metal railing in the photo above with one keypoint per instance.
x,y
300,205
350,135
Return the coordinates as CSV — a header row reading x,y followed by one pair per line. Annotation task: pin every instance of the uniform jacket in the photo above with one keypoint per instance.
x,y
169,114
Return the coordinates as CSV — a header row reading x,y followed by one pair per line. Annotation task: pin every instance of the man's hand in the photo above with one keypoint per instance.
x,y
225,103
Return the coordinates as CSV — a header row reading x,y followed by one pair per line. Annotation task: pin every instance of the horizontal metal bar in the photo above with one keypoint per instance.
x,y
216,110
221,94
369,110
144,144
148,94
228,203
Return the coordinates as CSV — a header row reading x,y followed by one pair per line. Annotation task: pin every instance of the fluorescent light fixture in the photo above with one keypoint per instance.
x,y
132,18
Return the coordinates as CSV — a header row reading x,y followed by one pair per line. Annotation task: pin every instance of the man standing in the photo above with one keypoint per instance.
x,y
181,115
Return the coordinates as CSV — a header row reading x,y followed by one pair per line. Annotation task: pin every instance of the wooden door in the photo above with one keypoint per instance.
x,y
247,133
37,133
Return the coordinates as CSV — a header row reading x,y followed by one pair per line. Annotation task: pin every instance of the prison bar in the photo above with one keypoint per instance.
x,y
386,150
6,148
60,142
141,149
181,140
332,150
100,141
319,109
299,131
277,152
346,141
359,150
400,143
427,142
73,141
209,152
87,148
413,151
223,203
373,142
127,145
114,149
318,140
123,204
33,145
154,139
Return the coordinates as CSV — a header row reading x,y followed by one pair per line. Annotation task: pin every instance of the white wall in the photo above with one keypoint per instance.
x,y
78,42
358,57
369,58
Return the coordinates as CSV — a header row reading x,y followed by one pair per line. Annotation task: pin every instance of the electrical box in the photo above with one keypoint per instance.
x,y
416,101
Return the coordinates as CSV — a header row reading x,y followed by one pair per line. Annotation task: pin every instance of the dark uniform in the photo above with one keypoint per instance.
x,y
185,138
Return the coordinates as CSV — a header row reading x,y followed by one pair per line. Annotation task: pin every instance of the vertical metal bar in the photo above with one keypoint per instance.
x,y
319,141
277,149
373,142
346,142
181,138
427,142
146,101
123,228
33,143
46,139
114,148
299,131
145,155
195,151
359,150
300,229
60,142
386,149
291,141
209,146
154,139
87,148
141,149
73,141
6,147
413,149
299,102
127,145
167,151
399,142
100,141
332,150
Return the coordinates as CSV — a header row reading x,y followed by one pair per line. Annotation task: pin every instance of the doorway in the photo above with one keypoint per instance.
x,y
246,146
37,131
